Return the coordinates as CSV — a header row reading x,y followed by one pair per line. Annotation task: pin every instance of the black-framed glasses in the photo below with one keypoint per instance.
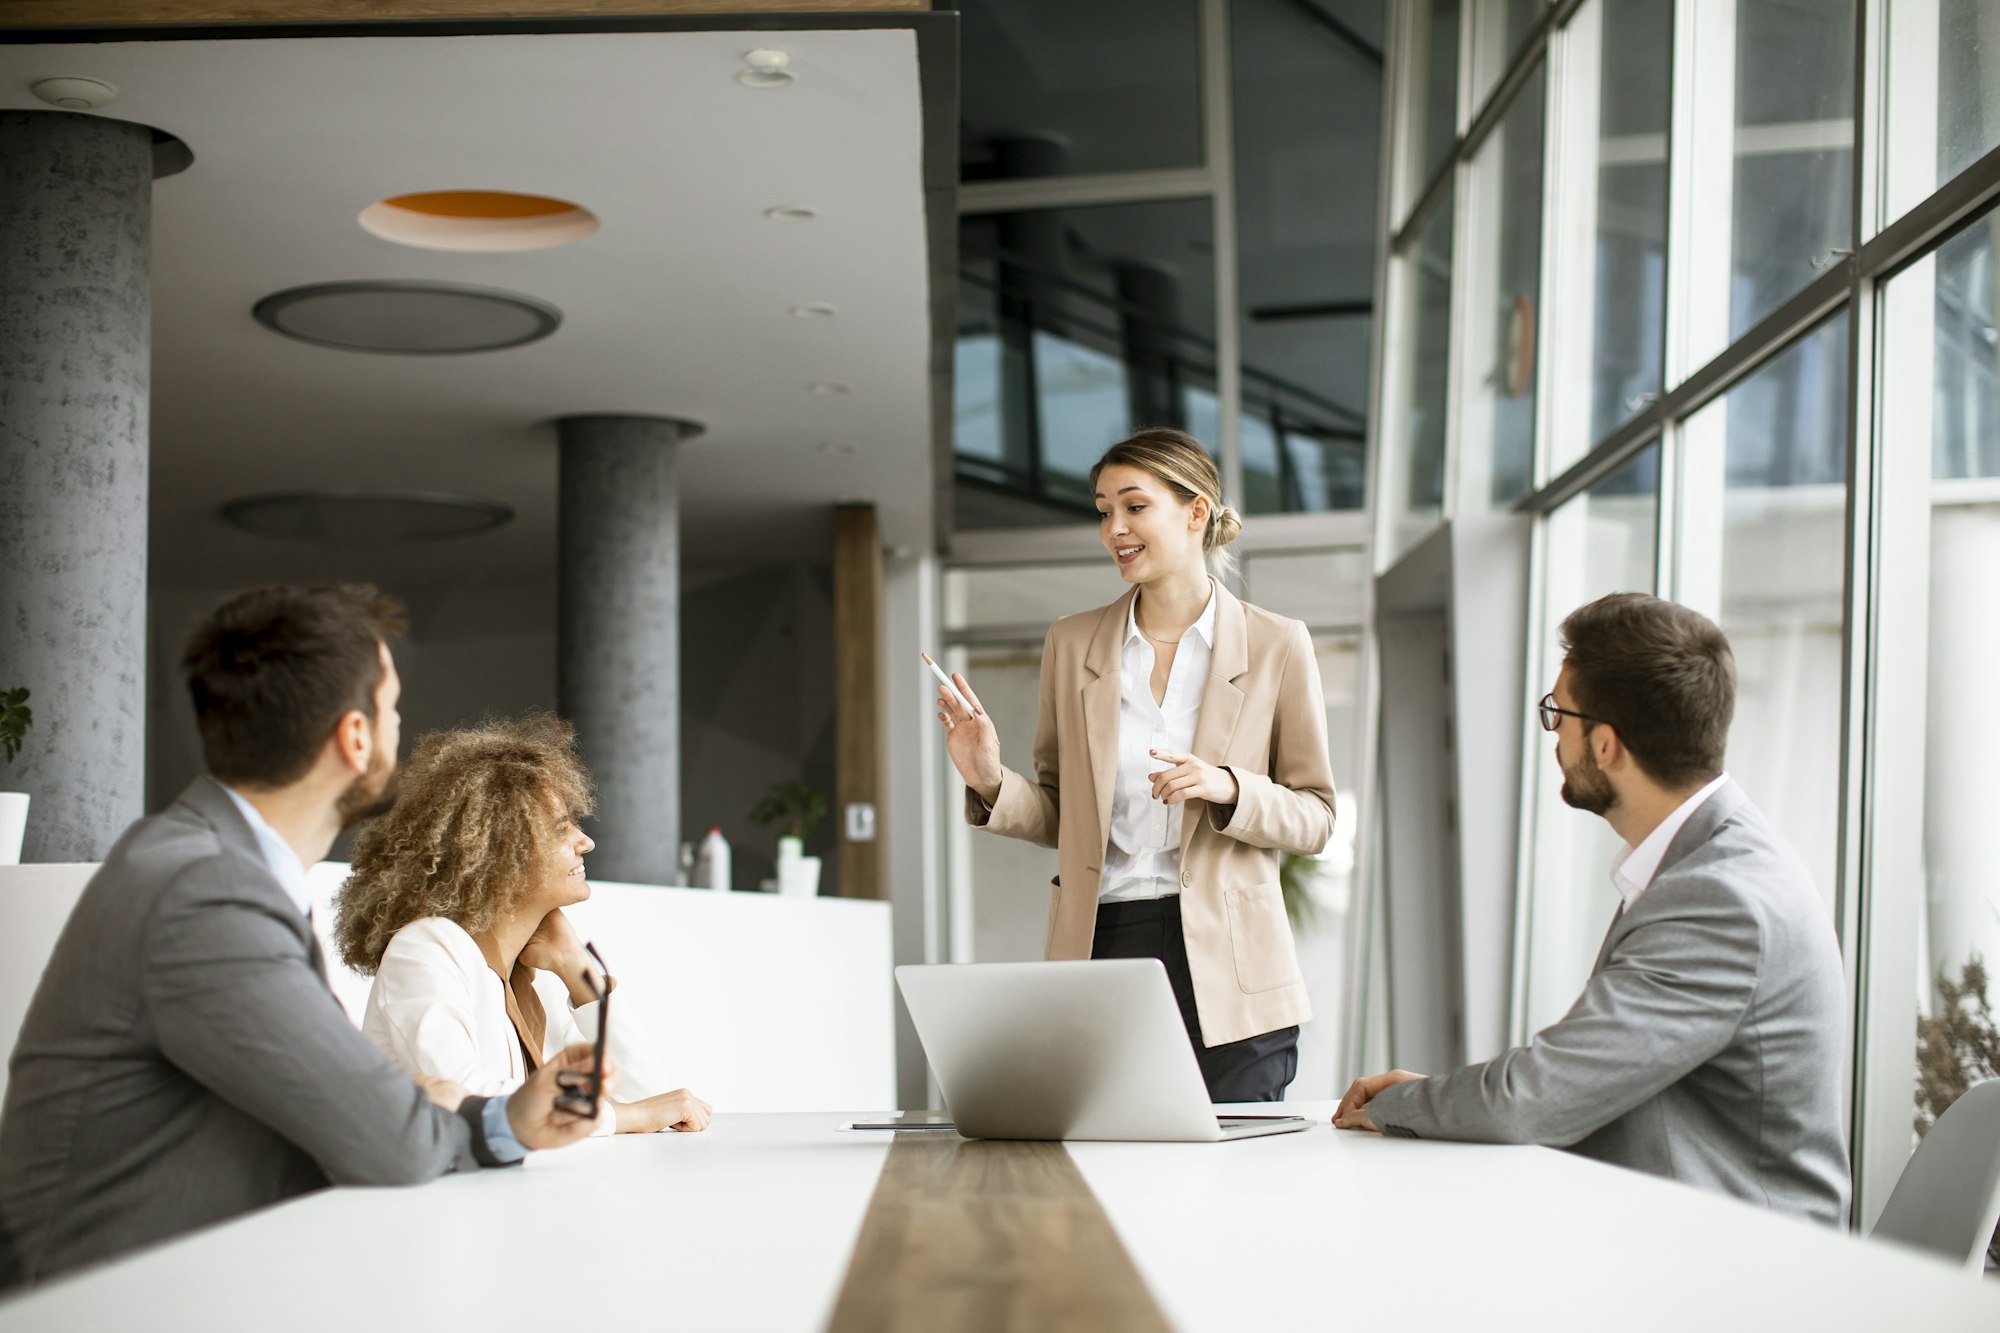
x,y
580,1092
1552,716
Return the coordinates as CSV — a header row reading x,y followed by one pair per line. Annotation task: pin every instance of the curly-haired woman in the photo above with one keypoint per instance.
x,y
455,902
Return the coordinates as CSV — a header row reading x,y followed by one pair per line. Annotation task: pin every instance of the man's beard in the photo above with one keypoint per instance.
x,y
371,794
1585,787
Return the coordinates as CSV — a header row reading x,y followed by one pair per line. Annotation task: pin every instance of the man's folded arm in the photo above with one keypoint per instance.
x,y
237,1005
1668,1000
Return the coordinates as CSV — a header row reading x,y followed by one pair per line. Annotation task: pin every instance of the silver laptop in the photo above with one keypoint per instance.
x,y
1085,1050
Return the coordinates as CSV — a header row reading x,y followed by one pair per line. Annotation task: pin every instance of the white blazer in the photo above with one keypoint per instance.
x,y
436,1008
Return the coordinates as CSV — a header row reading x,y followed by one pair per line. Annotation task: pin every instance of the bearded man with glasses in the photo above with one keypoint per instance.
x,y
1706,1046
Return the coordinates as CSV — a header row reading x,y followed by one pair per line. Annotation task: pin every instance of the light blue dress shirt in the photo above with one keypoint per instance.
x,y
290,872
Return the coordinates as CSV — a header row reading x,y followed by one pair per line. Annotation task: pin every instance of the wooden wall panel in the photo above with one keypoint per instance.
x,y
858,680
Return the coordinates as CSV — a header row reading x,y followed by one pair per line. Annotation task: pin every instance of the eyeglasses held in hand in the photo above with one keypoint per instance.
x,y
580,1092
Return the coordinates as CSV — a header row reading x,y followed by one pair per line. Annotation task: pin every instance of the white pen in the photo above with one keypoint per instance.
x,y
945,681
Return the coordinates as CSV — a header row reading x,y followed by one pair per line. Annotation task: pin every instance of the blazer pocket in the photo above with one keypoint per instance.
x,y
1261,939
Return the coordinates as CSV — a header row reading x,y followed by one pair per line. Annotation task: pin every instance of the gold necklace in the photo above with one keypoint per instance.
x,y
1171,643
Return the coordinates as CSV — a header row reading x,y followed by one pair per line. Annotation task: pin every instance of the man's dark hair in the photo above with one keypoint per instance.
x,y
1661,674
272,670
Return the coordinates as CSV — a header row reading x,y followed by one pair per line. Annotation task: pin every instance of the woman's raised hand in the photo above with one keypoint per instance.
x,y
970,739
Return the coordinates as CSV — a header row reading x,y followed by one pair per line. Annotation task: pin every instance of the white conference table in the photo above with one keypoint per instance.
x,y
751,1225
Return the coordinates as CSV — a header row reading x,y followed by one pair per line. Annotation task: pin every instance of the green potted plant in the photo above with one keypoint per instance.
x,y
798,809
15,719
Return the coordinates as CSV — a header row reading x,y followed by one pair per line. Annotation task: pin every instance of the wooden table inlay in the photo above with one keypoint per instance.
x,y
988,1234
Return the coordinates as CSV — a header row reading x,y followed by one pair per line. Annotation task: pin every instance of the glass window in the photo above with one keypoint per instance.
x,y
1944,94
1500,28
1603,541
1055,88
1423,366
1941,419
1763,514
1433,108
1074,327
1308,92
1629,299
1504,266
1325,589
1771,162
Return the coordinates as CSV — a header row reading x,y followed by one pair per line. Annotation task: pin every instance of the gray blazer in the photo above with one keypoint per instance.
x,y
1706,1046
184,1061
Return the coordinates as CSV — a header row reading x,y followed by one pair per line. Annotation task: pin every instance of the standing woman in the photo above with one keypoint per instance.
x,y
1180,746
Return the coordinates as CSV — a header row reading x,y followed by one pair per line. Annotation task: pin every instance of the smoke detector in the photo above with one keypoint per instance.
x,y
75,94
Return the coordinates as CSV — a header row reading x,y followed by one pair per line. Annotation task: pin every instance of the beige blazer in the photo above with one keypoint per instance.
x,y
1263,718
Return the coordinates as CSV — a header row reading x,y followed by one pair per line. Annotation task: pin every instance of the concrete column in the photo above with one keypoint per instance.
x,y
75,361
618,638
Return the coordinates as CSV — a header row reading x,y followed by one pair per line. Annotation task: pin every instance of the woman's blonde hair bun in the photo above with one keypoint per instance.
x,y
1228,525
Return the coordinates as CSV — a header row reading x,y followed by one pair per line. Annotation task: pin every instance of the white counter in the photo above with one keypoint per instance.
x,y
750,1226
756,1002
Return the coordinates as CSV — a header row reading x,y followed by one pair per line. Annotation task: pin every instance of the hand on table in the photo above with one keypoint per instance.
x,y
1191,777
532,1112
970,740
677,1110
1352,1113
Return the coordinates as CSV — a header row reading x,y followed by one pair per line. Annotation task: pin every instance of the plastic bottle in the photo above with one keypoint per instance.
x,y
711,863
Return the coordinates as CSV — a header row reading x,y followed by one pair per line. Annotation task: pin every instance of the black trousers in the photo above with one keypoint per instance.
x,y
1256,1069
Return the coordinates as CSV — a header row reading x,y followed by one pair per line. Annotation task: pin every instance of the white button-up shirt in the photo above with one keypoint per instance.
x,y
1143,855
1632,870
289,871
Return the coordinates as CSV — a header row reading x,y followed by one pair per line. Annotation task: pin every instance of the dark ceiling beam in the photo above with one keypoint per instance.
x,y
28,14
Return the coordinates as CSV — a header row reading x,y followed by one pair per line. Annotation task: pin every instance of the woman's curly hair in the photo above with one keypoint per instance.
x,y
473,828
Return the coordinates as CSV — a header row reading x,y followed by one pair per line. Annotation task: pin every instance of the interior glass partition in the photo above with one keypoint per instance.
x,y
1432,108
1424,367
1944,93
1040,99
1628,210
1762,538
1503,251
1305,235
1603,541
1771,159
1074,326
1941,423
1500,28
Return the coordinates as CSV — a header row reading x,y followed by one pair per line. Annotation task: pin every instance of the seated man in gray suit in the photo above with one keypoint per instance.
x,y
1706,1045
184,1060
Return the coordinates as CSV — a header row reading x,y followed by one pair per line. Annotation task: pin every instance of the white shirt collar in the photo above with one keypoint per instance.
x,y
1633,869
285,865
1204,624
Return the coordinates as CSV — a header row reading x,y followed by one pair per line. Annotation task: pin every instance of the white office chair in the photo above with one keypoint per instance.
x,y
1947,1200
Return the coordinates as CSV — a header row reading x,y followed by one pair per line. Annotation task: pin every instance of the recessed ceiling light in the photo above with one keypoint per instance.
x,y
791,213
828,387
814,310
478,220
408,318
364,518
767,67
836,450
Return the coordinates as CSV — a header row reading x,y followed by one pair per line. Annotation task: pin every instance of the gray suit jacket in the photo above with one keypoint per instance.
x,y
1706,1045
183,1060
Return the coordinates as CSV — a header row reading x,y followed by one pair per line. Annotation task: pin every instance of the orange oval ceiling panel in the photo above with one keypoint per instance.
x,y
478,220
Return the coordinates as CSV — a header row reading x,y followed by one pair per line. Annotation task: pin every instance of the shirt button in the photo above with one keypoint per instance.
x,y
1186,880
